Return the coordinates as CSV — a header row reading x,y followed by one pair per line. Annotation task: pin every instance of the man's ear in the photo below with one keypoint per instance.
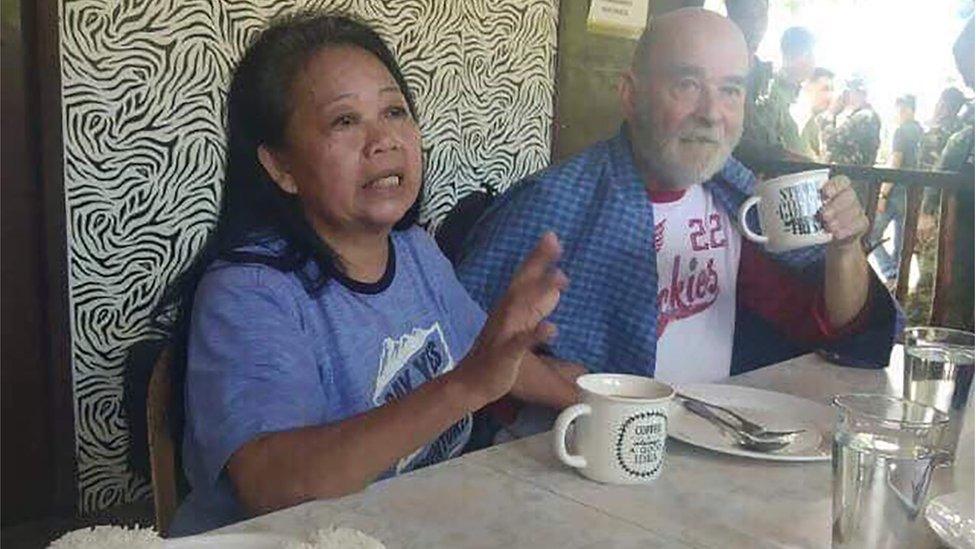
x,y
277,168
627,91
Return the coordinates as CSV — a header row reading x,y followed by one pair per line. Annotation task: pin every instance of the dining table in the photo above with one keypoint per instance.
x,y
518,494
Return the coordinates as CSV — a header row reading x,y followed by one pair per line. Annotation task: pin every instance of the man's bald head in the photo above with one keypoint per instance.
x,y
684,96
684,32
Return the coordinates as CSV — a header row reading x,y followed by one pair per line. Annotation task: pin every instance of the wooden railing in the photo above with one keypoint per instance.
x,y
950,185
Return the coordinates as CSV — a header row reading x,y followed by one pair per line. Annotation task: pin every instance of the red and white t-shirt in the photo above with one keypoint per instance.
x,y
705,268
698,252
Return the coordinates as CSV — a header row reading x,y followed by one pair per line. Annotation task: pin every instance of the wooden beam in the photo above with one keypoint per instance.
x,y
944,259
44,63
909,233
871,208
913,178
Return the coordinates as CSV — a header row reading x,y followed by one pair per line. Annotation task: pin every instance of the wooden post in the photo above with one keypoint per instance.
x,y
913,203
871,208
944,257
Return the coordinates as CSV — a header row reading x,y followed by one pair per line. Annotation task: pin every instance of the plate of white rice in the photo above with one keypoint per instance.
x,y
118,537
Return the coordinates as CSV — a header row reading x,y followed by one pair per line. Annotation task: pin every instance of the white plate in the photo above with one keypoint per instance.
x,y
951,518
772,410
257,540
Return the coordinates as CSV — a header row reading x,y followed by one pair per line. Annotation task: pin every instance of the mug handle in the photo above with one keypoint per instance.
x,y
562,425
743,210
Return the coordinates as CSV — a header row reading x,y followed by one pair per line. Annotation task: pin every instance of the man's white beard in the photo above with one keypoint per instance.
x,y
663,156
699,168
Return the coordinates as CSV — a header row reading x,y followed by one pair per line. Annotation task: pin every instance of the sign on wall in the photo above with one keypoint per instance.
x,y
621,18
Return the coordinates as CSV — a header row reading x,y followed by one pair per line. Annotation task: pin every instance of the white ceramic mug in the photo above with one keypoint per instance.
x,y
623,424
788,211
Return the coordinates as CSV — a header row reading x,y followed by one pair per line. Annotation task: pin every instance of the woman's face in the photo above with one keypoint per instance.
x,y
352,148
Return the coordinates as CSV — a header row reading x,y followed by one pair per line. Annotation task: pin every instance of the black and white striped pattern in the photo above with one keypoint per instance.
x,y
143,93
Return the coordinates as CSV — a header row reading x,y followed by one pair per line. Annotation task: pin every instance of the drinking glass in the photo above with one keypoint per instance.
x,y
939,373
884,452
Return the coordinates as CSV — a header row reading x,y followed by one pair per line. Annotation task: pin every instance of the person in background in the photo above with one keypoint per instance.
x,y
324,341
892,199
945,121
818,93
850,131
772,112
752,18
769,131
948,118
958,156
664,284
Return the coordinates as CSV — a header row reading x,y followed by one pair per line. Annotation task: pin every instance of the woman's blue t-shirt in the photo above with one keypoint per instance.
x,y
265,355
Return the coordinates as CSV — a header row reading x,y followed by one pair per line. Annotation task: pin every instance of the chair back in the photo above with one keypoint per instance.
x,y
162,456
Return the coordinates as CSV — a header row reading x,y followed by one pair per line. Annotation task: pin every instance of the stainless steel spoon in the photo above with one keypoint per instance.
x,y
766,443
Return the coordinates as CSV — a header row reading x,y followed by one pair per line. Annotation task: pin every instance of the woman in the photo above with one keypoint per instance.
x,y
328,343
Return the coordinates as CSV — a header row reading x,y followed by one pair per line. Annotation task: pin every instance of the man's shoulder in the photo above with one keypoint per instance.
x,y
734,174
553,199
593,157
912,127
560,185
866,114
786,90
917,130
962,136
957,149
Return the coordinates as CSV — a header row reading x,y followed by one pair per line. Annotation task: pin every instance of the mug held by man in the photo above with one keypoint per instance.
x,y
621,429
789,211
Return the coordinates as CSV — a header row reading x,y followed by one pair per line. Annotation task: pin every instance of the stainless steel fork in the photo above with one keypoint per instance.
x,y
745,424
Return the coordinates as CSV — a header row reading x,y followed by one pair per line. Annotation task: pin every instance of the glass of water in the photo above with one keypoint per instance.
x,y
939,372
884,453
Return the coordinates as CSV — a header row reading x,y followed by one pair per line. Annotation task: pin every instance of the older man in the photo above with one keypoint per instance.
x,y
662,283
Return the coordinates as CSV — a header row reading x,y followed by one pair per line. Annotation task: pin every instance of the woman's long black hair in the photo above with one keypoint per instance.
x,y
259,105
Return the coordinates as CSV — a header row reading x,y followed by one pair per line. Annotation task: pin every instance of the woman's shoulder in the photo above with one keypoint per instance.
x,y
248,271
417,246
418,242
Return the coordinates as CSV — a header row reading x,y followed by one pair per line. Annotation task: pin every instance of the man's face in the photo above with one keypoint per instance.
x,y
820,92
686,110
905,113
803,65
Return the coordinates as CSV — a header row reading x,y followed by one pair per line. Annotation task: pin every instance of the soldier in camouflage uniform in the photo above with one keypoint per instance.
x,y
819,93
769,131
850,132
949,118
945,122
958,156
850,129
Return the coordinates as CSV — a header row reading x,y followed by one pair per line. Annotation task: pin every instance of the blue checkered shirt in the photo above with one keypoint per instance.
x,y
596,202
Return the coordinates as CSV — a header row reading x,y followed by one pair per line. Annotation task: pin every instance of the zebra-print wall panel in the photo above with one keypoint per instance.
x,y
143,94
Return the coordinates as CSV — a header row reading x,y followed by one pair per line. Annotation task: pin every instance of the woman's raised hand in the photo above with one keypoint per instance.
x,y
516,324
